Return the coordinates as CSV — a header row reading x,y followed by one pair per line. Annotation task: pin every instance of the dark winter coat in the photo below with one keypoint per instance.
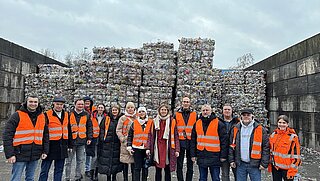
x,y
234,154
109,148
207,158
25,152
58,148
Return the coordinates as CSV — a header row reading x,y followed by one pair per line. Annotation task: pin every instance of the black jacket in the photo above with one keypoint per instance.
x,y
109,148
24,152
58,148
79,141
206,158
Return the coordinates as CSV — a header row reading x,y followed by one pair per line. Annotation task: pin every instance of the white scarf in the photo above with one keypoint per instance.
x,y
156,122
142,121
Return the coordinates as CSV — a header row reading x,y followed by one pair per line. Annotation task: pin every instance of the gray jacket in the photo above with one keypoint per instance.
x,y
234,154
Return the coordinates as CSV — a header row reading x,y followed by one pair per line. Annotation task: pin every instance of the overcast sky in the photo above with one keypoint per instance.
x,y
262,28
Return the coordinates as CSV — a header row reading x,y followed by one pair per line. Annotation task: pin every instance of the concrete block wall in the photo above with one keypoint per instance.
x,y
15,62
293,88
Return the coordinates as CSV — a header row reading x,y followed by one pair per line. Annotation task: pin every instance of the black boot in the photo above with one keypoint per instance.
x,y
125,172
95,176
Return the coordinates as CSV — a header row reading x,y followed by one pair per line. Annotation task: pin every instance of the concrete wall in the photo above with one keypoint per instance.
x,y
15,62
293,88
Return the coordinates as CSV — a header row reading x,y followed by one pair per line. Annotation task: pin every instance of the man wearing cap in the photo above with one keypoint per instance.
x,y
249,148
58,121
26,139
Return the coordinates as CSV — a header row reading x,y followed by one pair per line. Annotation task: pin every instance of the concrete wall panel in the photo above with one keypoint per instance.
x,y
288,103
10,65
297,85
4,79
309,103
314,83
288,71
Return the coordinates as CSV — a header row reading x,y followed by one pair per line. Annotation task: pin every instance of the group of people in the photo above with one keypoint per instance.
x,y
111,142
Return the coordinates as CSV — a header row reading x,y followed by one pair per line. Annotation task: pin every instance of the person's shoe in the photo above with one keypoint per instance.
x,y
87,174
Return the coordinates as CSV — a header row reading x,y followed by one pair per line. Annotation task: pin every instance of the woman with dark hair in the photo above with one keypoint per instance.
x,y
163,143
284,150
109,145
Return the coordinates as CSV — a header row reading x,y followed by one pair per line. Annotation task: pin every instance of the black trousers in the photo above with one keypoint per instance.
x,y
139,156
126,171
180,165
167,173
112,177
278,175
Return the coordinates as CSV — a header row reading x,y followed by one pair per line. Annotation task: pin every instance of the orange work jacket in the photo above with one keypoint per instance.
x,y
56,129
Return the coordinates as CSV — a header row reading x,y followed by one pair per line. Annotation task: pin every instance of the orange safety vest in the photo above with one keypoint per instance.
x,y
183,130
140,136
257,142
209,141
173,126
26,133
106,124
126,127
285,150
78,129
56,129
95,127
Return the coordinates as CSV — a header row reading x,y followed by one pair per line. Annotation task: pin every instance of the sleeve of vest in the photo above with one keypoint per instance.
x,y
89,128
193,142
224,142
265,155
45,139
130,136
8,135
231,154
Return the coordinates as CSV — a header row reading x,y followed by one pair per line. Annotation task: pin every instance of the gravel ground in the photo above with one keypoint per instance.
x,y
310,169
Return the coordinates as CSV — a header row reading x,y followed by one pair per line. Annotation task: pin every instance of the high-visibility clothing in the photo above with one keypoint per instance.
x,y
56,129
95,127
257,142
184,130
106,126
26,133
140,136
78,130
285,150
126,127
209,141
173,126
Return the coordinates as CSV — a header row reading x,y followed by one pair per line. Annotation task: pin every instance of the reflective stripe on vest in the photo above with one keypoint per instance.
x,y
78,130
26,133
56,129
126,125
140,136
183,129
95,127
209,141
256,144
173,126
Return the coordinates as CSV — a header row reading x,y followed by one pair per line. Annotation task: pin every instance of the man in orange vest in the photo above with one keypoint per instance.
x,y
26,139
80,132
58,122
185,118
209,144
249,148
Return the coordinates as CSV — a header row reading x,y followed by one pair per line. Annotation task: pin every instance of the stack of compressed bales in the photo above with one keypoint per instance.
x,y
159,75
195,77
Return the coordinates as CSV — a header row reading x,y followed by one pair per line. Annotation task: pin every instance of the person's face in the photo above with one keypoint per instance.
x,y
79,105
227,111
32,103
115,111
142,114
186,103
163,111
100,109
206,111
130,109
58,106
282,125
246,117
87,104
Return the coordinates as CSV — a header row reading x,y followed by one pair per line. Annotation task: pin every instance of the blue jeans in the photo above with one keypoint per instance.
x,y
244,169
58,169
214,171
80,155
88,163
18,167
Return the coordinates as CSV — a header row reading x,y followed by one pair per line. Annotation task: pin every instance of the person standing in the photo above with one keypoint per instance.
x,y
80,132
122,131
209,145
249,148
163,143
26,139
185,118
137,140
229,121
58,122
285,151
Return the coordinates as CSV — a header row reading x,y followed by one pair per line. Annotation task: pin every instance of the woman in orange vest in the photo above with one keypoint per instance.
x,y
285,151
137,140
122,131
163,143
109,145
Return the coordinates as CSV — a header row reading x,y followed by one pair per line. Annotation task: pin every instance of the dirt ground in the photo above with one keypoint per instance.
x,y
310,169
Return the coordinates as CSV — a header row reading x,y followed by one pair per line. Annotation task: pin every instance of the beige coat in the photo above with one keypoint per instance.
x,y
125,156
